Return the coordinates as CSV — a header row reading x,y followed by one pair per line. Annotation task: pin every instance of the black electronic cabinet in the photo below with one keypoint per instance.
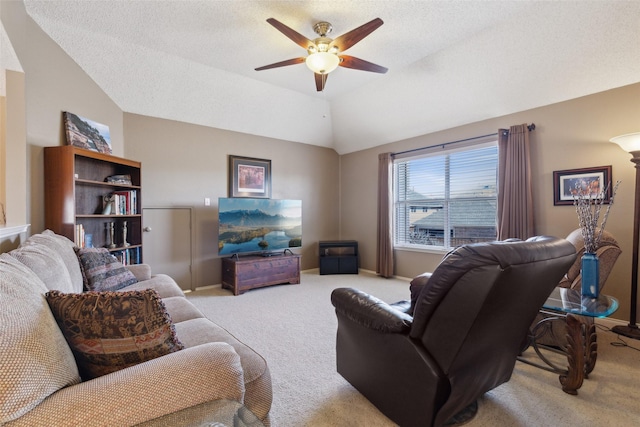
x,y
338,257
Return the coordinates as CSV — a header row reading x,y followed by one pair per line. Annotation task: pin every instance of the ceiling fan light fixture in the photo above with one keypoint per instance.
x,y
322,62
324,53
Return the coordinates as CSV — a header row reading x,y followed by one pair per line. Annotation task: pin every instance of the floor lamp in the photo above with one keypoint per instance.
x,y
631,143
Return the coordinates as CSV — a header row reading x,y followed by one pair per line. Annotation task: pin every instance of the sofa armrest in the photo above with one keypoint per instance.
x,y
141,271
146,391
369,311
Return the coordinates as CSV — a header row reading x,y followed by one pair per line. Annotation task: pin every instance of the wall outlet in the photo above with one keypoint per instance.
x,y
207,201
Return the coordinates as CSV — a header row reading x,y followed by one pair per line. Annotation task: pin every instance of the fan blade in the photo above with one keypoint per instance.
x,y
361,64
282,64
321,80
347,40
298,38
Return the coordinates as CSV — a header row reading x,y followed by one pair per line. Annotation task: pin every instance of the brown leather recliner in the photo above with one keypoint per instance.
x,y
463,338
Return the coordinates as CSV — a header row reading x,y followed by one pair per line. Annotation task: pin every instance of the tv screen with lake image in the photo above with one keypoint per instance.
x,y
248,225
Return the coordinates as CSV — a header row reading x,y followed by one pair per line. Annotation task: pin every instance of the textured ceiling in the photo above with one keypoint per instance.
x,y
450,62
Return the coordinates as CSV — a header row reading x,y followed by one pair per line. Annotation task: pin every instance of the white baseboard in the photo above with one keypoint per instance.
x,y
200,288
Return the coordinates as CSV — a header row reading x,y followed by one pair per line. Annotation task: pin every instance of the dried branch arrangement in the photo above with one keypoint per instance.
x,y
588,206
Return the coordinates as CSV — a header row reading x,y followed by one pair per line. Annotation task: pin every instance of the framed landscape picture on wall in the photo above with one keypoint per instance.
x,y
86,133
591,182
249,177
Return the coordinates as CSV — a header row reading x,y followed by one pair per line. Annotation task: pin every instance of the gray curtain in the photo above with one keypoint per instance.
x,y
515,199
384,251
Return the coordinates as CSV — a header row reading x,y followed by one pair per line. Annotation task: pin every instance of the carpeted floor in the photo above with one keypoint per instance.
x,y
293,327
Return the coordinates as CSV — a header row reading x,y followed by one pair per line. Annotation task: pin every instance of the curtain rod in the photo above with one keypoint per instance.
x,y
531,127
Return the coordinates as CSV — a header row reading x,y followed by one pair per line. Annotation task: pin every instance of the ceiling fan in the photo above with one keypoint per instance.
x,y
325,53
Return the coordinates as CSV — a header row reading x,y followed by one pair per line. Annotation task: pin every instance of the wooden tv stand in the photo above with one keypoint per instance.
x,y
240,274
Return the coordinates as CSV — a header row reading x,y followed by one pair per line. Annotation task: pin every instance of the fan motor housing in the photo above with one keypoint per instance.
x,y
322,28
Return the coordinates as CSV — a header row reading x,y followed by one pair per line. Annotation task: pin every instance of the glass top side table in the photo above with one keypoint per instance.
x,y
570,301
581,348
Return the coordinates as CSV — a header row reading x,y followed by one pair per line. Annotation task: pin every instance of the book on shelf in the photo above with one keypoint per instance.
x,y
125,202
128,256
83,239
79,236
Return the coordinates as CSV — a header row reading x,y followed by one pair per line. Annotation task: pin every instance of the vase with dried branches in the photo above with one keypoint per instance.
x,y
588,206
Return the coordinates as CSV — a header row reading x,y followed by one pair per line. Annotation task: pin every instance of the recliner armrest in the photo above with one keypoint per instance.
x,y
369,311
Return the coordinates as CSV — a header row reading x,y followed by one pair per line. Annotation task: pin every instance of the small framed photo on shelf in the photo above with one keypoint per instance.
x,y
85,133
249,177
592,182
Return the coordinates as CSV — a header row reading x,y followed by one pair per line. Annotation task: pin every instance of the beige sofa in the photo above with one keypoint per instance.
x,y
39,379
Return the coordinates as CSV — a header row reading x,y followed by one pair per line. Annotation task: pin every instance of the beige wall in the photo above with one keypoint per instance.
x,y
182,164
568,135
53,84
15,150
3,132
15,159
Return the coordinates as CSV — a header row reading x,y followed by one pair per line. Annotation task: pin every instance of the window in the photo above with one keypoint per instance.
x,y
446,199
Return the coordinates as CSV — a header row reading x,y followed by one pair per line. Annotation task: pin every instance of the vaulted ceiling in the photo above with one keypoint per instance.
x,y
450,62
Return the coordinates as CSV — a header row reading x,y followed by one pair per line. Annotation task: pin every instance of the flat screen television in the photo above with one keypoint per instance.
x,y
258,226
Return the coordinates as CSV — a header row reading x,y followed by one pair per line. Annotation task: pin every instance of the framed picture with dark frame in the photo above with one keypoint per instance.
x,y
591,182
249,177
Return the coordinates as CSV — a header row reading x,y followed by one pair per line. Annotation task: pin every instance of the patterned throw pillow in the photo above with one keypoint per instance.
x,y
109,331
102,271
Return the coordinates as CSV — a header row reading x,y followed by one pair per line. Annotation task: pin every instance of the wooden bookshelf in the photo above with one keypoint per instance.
x,y
75,188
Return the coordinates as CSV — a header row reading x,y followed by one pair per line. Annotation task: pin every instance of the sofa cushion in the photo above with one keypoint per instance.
x,y
180,309
36,360
47,264
63,247
109,331
163,284
257,378
102,271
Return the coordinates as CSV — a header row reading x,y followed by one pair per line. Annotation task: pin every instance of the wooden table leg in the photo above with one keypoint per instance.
x,y
591,348
572,381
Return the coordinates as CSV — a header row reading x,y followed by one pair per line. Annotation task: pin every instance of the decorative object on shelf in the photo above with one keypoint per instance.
x,y
111,243
108,204
631,143
588,180
119,179
588,198
124,235
249,177
87,134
